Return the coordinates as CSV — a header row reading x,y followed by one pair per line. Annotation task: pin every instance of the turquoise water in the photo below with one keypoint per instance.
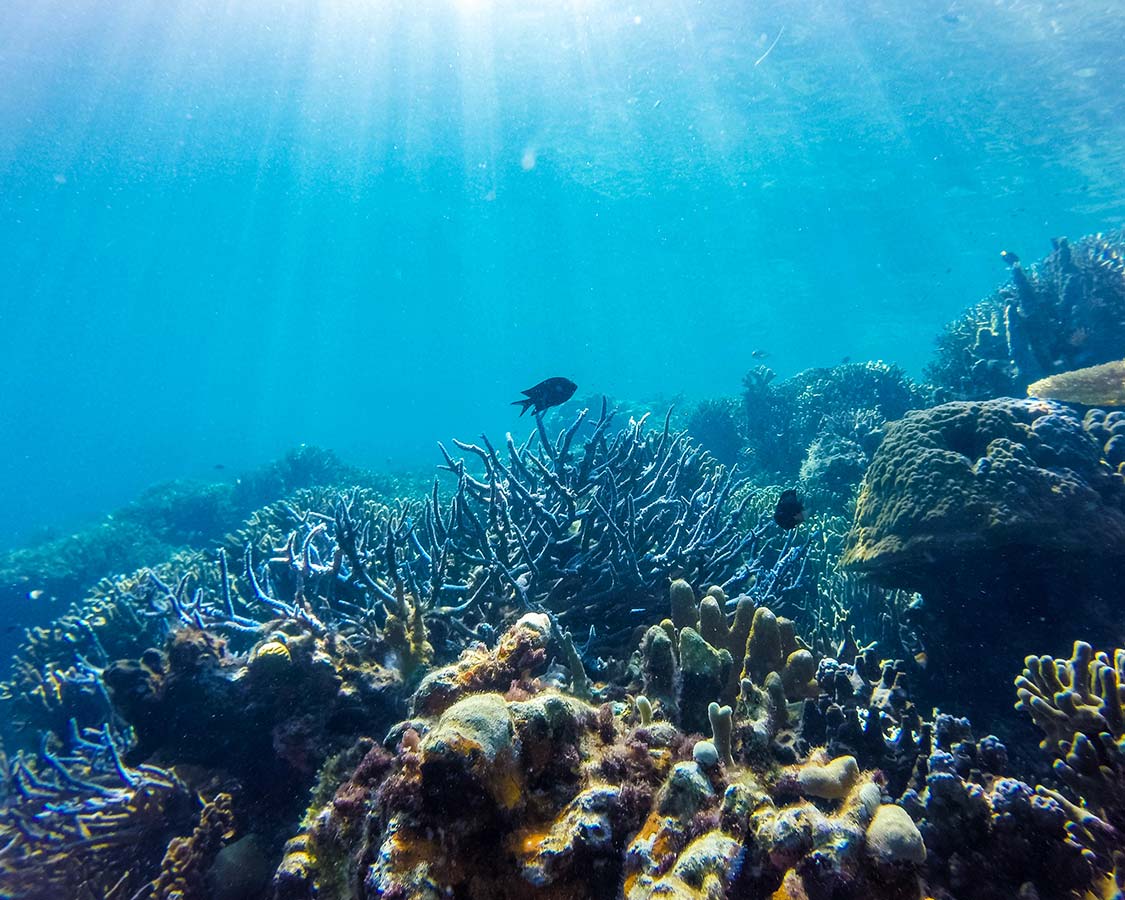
x,y
230,227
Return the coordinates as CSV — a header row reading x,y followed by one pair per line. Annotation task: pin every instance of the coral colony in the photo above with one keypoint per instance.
x,y
591,664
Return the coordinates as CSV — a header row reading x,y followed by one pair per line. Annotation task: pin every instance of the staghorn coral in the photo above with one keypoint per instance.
x,y
78,822
55,670
595,536
529,768
1065,312
162,521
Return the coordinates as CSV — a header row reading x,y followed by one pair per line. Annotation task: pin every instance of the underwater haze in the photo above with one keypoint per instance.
x,y
228,227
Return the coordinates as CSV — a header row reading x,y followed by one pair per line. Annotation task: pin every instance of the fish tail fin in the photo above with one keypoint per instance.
x,y
525,404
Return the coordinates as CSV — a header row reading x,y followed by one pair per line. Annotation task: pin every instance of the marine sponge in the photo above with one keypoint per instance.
x,y
521,650
831,780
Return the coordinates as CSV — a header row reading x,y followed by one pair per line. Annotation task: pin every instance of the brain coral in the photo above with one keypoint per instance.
x,y
961,483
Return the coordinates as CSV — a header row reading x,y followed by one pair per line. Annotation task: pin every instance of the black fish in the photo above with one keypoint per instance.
x,y
790,511
1009,257
546,394
219,466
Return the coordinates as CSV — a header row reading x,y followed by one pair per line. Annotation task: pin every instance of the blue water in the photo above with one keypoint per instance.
x,y
230,227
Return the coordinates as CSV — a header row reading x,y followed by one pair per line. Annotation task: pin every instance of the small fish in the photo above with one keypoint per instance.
x,y
546,394
921,659
759,354
845,360
36,594
1009,257
219,466
790,511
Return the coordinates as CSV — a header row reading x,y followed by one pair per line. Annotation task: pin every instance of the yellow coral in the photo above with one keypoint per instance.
x,y
271,653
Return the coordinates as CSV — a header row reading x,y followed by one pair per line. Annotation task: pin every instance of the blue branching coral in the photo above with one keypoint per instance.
x,y
79,822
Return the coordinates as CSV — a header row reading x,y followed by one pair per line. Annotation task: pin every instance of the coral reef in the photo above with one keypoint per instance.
x,y
596,536
188,859
963,480
1065,312
715,425
1079,705
558,797
268,718
584,674
163,520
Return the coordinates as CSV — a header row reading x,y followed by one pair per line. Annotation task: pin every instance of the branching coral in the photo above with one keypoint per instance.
x,y
823,423
595,535
79,822
1065,312
726,757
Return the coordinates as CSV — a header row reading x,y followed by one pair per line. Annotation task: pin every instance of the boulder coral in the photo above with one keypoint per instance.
x,y
958,483
1008,519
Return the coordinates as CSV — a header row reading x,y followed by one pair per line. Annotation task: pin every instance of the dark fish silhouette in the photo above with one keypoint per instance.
x,y
759,354
1009,257
546,394
790,511
219,466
